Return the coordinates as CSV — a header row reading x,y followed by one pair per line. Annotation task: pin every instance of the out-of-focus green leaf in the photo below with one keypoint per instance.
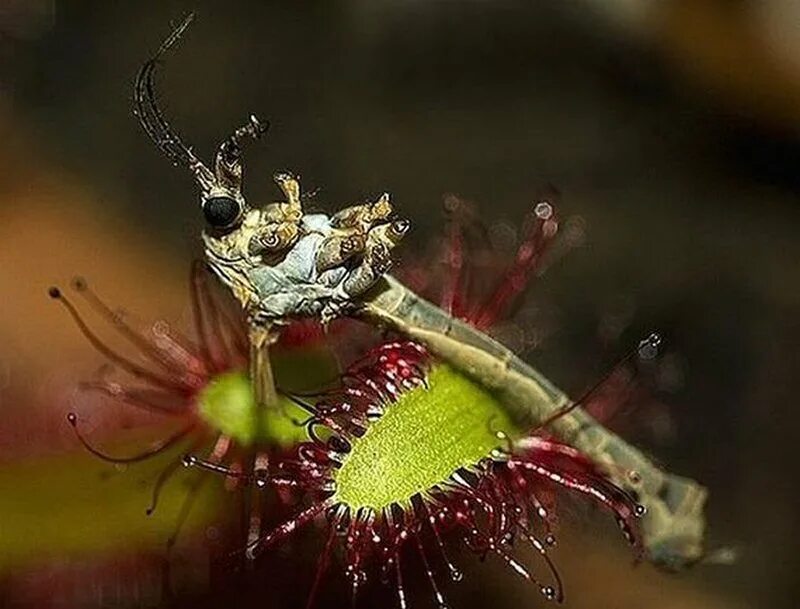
x,y
77,505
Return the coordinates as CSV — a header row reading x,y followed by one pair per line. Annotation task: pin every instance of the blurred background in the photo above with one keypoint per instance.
x,y
671,130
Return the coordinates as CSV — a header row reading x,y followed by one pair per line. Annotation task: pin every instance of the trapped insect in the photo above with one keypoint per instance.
x,y
281,264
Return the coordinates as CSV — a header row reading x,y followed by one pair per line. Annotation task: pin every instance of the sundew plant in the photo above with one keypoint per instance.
x,y
437,435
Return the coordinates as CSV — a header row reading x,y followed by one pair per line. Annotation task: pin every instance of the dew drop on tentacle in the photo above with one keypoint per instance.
x,y
649,347
455,574
401,591
549,592
261,476
440,602
543,210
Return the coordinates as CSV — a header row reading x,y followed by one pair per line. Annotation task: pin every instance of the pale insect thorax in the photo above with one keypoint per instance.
x,y
294,287
313,275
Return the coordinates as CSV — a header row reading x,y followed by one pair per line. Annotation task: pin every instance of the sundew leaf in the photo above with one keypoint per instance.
x,y
76,506
421,440
228,402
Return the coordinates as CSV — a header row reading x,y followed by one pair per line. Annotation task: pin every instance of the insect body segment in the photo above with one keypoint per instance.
x,y
282,263
674,527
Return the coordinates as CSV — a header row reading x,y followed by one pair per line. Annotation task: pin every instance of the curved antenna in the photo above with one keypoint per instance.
x,y
152,119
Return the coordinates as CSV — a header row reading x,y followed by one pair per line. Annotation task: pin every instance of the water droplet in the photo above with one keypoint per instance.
x,y
543,210
640,510
189,460
648,348
550,540
456,575
549,592
497,454
72,418
502,236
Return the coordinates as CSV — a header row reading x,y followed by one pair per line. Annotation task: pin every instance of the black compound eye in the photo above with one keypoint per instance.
x,y
221,212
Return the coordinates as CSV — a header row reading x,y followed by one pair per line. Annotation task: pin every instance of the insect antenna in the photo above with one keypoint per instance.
x,y
72,419
152,119
295,399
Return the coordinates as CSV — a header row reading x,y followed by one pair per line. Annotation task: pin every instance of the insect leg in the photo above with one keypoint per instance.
x,y
261,337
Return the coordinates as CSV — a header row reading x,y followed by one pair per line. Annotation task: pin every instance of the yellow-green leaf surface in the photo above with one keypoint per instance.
x,y
421,440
